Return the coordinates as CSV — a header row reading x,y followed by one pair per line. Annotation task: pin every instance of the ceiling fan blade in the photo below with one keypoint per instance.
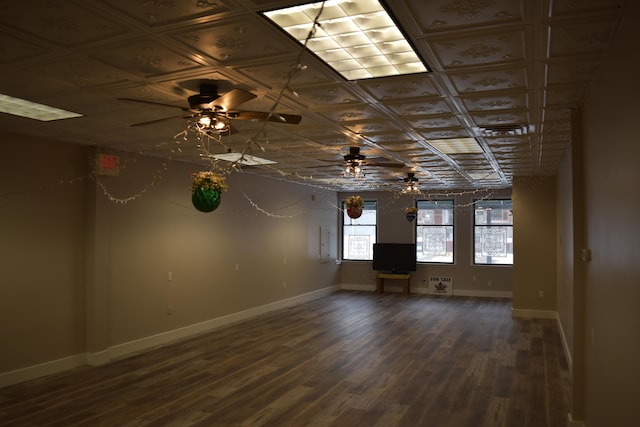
x,y
231,99
291,119
151,122
152,103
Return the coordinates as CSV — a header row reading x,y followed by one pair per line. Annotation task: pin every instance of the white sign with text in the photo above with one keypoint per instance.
x,y
439,285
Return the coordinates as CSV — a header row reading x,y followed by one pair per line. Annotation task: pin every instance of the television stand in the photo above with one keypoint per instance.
x,y
381,276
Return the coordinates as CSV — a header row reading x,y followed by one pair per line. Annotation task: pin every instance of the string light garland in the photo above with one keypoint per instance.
x,y
270,214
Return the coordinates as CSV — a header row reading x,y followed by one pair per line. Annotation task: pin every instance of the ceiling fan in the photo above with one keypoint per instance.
x,y
357,159
213,112
411,183
354,163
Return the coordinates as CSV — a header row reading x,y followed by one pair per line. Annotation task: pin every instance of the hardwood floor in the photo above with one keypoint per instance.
x,y
349,359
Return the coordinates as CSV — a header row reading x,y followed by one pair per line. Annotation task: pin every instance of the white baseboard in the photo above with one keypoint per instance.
x,y
533,314
484,294
425,291
154,341
358,287
41,370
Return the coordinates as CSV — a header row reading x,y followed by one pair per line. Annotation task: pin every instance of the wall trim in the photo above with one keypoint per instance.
x,y
154,341
565,344
41,370
357,287
535,314
481,293
425,291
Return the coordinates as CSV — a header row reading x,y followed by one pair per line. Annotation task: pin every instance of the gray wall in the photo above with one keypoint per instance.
x,y
84,275
598,299
612,186
534,237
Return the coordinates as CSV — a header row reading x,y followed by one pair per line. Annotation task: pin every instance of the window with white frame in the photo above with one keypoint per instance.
x,y
434,231
359,234
493,232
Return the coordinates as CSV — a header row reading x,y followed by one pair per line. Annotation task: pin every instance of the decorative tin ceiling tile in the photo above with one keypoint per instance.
x,y
570,96
325,95
505,102
498,79
61,23
277,74
161,12
399,87
440,15
445,121
350,112
569,72
421,108
580,38
145,57
83,74
506,47
567,7
370,127
240,40
444,133
14,49
501,117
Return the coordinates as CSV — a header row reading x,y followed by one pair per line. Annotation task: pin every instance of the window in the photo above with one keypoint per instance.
x,y
434,231
359,235
493,232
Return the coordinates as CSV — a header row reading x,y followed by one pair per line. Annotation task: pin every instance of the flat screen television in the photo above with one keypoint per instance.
x,y
394,257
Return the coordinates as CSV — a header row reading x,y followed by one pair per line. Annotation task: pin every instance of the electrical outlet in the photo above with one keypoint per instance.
x,y
541,294
237,267
489,283
169,310
170,276
284,284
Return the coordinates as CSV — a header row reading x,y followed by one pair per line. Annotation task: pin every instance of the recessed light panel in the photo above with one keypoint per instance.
x,y
357,38
243,159
456,145
33,110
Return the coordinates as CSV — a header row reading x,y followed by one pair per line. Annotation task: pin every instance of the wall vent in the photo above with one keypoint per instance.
x,y
503,130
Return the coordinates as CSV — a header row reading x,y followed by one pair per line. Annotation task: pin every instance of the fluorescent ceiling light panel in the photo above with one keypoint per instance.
x,y
357,38
247,159
33,110
456,145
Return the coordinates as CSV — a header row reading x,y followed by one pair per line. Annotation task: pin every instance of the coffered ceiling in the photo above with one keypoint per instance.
x,y
506,72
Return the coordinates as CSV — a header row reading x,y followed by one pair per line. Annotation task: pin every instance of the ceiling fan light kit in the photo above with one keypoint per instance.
x,y
211,122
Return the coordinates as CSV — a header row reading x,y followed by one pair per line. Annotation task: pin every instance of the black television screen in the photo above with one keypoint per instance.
x,y
394,257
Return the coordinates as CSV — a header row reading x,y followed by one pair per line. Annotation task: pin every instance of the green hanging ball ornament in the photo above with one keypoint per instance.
x,y
205,200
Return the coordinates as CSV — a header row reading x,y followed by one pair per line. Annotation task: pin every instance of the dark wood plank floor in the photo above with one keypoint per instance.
x,y
350,359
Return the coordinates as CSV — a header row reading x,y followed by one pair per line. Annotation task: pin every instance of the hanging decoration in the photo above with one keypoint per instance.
x,y
354,206
206,189
411,213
